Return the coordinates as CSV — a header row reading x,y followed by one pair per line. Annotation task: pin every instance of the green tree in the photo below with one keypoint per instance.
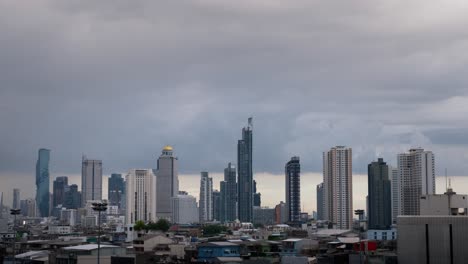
x,y
139,225
161,225
212,230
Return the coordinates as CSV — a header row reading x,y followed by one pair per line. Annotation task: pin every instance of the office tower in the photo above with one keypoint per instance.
x,y
229,194
264,215
167,182
28,207
91,180
293,189
72,198
338,186
116,190
184,209
245,174
379,196
393,174
257,199
16,199
281,213
60,186
42,183
416,177
206,198
141,184
320,204
216,205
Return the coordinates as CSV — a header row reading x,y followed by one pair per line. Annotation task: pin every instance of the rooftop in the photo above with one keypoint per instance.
x,y
88,247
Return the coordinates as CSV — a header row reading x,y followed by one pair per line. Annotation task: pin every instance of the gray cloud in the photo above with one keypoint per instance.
x,y
117,80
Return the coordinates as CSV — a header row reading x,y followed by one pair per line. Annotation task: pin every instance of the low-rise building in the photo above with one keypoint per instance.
x,y
210,252
449,203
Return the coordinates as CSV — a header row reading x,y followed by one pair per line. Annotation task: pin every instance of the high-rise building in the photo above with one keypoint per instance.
x,y
264,215
205,205
293,189
16,199
91,180
72,198
245,174
116,190
43,182
141,204
281,213
338,186
184,209
60,186
257,199
393,174
379,196
28,207
320,204
216,205
167,182
229,194
416,178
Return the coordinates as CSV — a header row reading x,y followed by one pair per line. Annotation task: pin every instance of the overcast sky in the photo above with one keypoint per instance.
x,y
117,80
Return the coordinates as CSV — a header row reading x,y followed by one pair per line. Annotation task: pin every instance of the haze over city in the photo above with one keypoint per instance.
x,y
118,81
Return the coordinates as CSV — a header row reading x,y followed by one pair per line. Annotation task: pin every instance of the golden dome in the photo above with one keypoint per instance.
x,y
167,148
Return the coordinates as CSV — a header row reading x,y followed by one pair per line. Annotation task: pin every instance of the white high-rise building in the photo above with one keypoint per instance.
x,y
91,180
184,209
141,195
393,174
416,173
338,187
206,198
167,182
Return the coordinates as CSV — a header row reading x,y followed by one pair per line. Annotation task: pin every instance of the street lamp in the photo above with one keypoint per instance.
x,y
14,212
99,207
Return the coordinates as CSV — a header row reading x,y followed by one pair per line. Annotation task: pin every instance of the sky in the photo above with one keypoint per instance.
x,y
117,80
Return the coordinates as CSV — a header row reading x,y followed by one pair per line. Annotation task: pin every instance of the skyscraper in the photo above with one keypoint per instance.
x,y
229,194
293,189
184,209
416,178
60,186
257,199
167,182
116,190
16,199
72,198
205,205
379,196
338,186
42,183
245,174
216,205
320,204
91,180
141,204
393,174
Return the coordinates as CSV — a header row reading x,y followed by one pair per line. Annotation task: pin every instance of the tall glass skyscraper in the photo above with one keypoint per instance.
x,y
116,190
245,174
380,198
16,199
91,180
205,205
229,194
42,182
167,182
60,186
293,189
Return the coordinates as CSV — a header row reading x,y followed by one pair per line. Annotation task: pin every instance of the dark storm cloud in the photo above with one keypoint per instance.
x,y
117,80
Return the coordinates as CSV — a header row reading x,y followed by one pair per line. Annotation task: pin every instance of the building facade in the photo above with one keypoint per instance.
x,y
216,205
281,213
141,204
338,186
229,194
205,204
245,174
379,195
167,182
16,199
72,198
91,180
293,189
320,204
393,174
42,183
416,178
60,186
184,208
116,190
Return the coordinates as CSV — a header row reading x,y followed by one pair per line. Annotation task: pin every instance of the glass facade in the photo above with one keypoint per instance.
x,y
245,175
42,182
293,189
